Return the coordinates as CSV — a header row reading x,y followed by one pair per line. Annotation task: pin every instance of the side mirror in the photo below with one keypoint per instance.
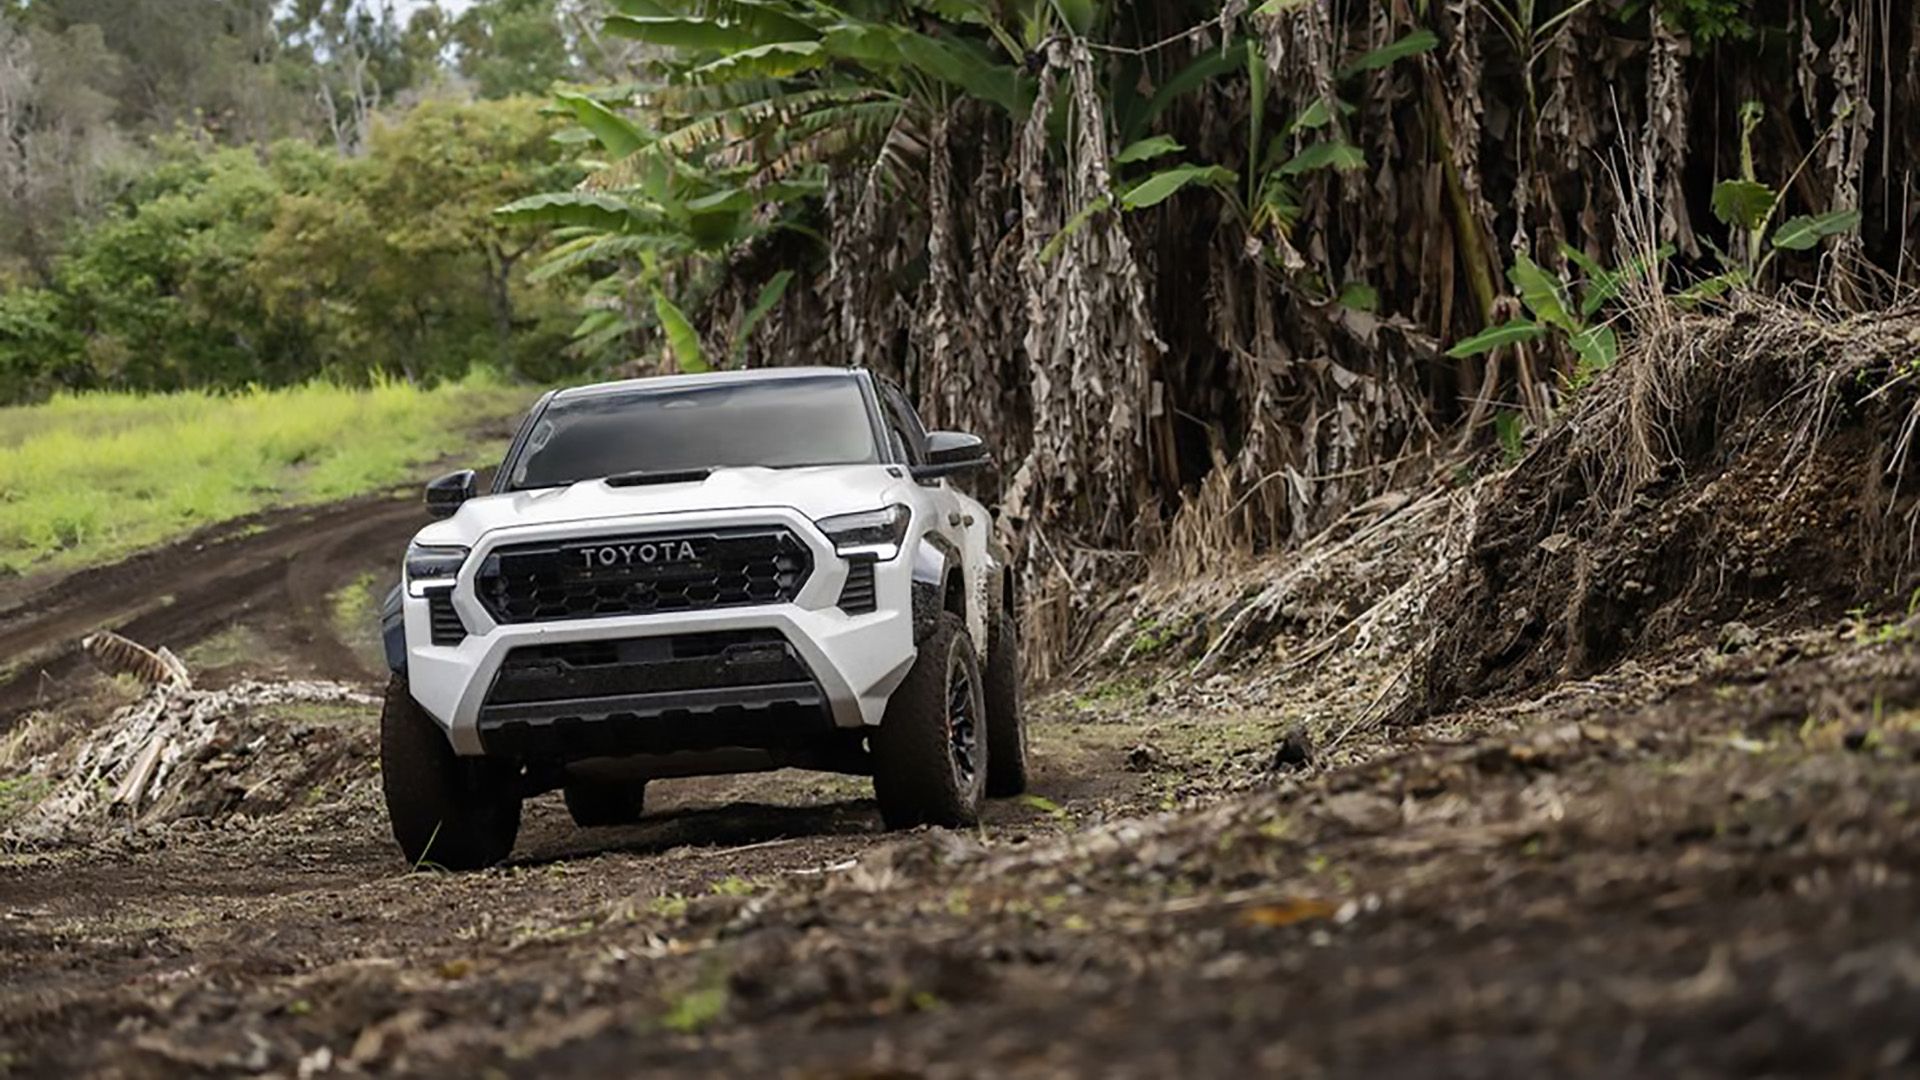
x,y
950,452
446,493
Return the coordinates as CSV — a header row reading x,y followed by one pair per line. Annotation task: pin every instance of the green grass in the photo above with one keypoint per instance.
x,y
231,647
353,604
356,614
696,1009
18,794
88,478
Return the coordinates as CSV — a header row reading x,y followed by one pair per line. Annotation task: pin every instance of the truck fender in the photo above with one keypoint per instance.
x,y
393,632
935,561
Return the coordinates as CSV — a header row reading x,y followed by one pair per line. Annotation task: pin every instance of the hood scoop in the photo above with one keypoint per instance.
x,y
658,476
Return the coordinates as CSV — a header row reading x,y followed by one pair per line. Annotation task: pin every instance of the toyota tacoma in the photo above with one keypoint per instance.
x,y
694,575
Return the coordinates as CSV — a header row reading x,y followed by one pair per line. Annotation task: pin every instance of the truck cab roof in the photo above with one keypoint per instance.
x,y
707,378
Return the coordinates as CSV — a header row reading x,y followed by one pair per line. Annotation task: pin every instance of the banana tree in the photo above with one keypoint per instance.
x,y
1266,200
659,216
753,101
1747,206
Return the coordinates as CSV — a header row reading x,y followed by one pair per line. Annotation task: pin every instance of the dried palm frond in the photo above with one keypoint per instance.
x,y
780,114
117,655
822,138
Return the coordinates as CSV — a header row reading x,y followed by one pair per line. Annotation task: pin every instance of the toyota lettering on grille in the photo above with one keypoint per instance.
x,y
643,553
592,577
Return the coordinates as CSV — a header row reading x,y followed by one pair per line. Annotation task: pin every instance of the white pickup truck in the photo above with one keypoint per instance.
x,y
700,574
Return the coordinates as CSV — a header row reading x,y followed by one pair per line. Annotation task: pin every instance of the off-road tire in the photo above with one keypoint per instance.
x,y
594,805
1006,722
447,811
917,778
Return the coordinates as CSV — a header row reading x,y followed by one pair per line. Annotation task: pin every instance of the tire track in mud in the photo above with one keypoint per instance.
x,y
281,564
331,561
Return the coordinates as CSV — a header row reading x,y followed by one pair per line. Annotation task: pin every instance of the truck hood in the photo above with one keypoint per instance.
x,y
816,492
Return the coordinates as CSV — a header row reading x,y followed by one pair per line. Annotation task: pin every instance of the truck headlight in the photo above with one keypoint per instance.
x,y
878,533
432,566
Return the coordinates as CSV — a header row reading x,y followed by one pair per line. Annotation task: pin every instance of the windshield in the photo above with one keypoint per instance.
x,y
779,423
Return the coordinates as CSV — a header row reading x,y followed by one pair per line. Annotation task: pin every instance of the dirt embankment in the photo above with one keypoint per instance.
x,y
1740,474
1650,813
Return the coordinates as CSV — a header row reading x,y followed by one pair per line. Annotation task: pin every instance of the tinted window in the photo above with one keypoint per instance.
x,y
904,425
777,423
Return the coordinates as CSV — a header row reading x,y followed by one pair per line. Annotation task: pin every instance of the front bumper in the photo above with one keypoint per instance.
x,y
854,661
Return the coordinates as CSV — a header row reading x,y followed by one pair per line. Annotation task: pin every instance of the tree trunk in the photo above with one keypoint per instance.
x,y
499,286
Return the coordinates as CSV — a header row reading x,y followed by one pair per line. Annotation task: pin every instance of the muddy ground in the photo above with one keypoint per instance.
x,y
1698,860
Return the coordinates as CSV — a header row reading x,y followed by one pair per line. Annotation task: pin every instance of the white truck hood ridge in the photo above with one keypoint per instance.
x,y
816,492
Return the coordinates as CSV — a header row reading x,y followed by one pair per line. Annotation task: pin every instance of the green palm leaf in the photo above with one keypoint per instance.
x,y
770,294
1162,185
587,209
677,32
1510,332
1801,233
773,60
1413,44
682,338
616,133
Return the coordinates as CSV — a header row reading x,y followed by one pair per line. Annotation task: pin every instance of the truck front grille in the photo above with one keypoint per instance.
x,y
643,574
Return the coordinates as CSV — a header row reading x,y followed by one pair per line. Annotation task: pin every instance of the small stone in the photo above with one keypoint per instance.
x,y
1145,757
1363,811
1295,750
1736,636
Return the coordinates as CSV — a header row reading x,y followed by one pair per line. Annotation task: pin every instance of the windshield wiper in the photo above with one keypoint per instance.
x,y
657,476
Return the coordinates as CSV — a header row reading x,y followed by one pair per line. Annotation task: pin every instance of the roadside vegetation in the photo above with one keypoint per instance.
x,y
1458,456
86,478
277,220
227,194
1209,276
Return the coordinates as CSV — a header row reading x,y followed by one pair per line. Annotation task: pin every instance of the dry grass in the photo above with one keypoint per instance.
x,y
1687,371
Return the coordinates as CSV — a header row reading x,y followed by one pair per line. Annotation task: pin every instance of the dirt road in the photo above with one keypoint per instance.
x,y
282,883
1708,884
272,572
1700,866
